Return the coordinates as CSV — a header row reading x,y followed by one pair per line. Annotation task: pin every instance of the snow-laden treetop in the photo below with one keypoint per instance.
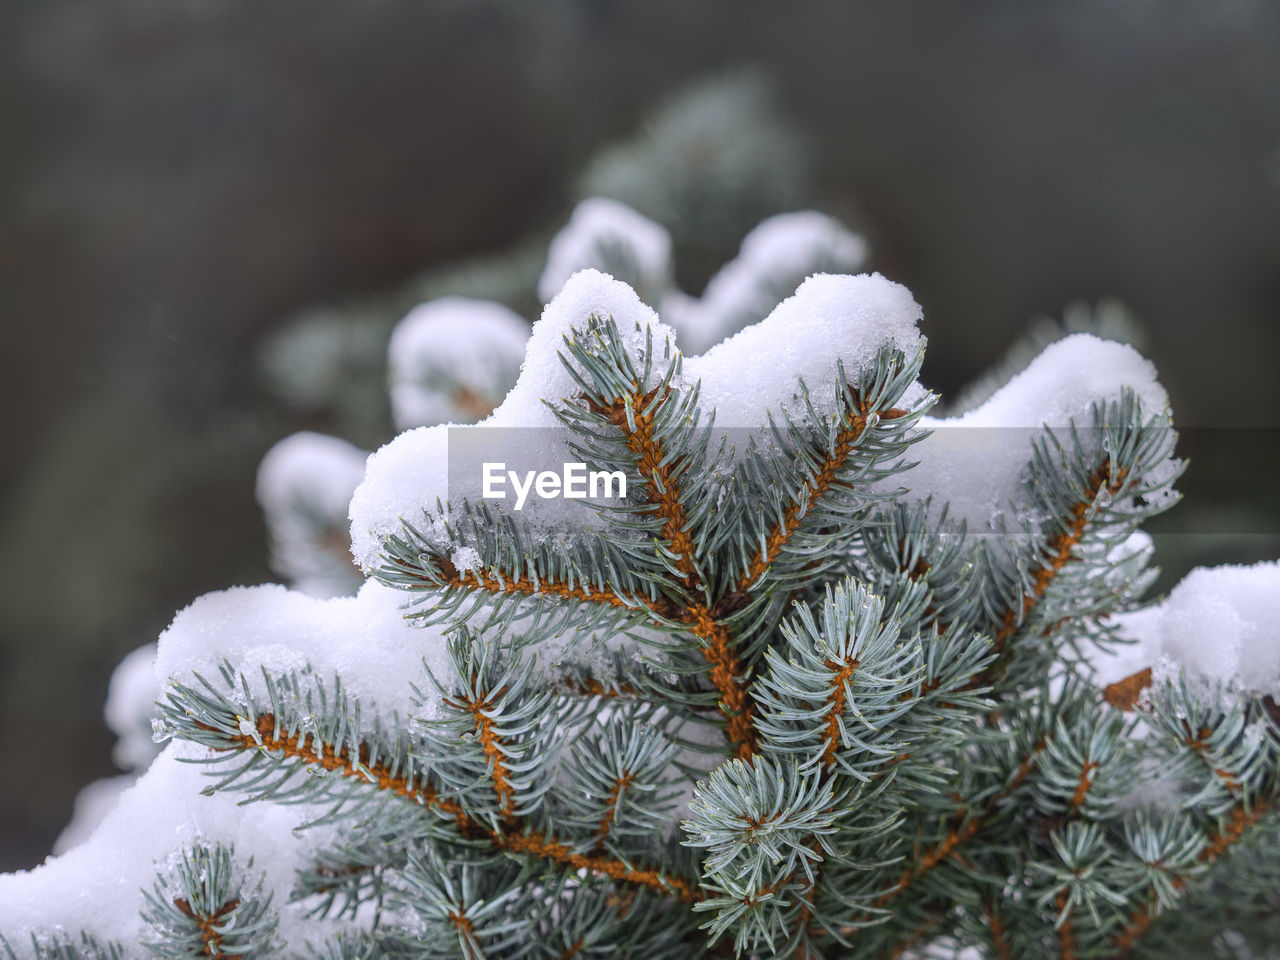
x,y
838,337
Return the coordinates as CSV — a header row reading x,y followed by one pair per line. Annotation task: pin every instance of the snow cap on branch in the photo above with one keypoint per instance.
x,y
364,639
831,320
775,257
98,885
407,476
453,359
977,462
304,487
1218,625
604,234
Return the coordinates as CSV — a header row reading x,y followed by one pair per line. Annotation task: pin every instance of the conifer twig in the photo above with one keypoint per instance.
x,y
997,929
1241,819
846,439
209,931
1060,548
634,416
529,842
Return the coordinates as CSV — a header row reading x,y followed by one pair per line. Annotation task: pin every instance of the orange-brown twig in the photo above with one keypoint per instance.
x,y
958,837
593,687
341,761
1201,750
1238,823
534,843
524,586
611,806
846,439
726,672
530,842
209,931
1060,547
836,700
492,745
1066,933
995,925
1083,785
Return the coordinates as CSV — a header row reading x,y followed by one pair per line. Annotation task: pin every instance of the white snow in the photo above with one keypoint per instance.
x,y
130,708
409,474
92,804
365,639
304,487
98,884
453,359
977,461
1218,625
829,319
465,558
131,697
604,234
774,258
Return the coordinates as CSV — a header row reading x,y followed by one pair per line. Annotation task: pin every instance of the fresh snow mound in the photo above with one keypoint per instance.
x,y
453,359
408,475
830,320
365,639
98,885
130,708
311,467
605,234
92,804
1218,625
978,461
304,487
773,260
131,697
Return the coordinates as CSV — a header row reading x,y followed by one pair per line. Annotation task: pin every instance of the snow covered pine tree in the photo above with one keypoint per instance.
x,y
823,683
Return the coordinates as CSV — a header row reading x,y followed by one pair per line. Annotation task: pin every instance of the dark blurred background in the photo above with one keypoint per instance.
x,y
179,177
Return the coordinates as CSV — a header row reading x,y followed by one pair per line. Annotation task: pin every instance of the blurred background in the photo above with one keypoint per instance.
x,y
213,211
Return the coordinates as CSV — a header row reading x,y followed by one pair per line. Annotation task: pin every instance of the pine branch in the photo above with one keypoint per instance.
x,y
957,837
211,719
846,439
1200,746
995,926
529,841
1066,933
548,848
210,925
620,783
1082,786
634,414
533,585
479,705
267,736
1059,549
59,946
1238,822
204,911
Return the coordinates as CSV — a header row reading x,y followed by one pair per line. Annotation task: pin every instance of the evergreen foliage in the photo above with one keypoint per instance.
x,y
774,702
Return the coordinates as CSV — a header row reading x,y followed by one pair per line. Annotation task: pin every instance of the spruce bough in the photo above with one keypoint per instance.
x,y
781,700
